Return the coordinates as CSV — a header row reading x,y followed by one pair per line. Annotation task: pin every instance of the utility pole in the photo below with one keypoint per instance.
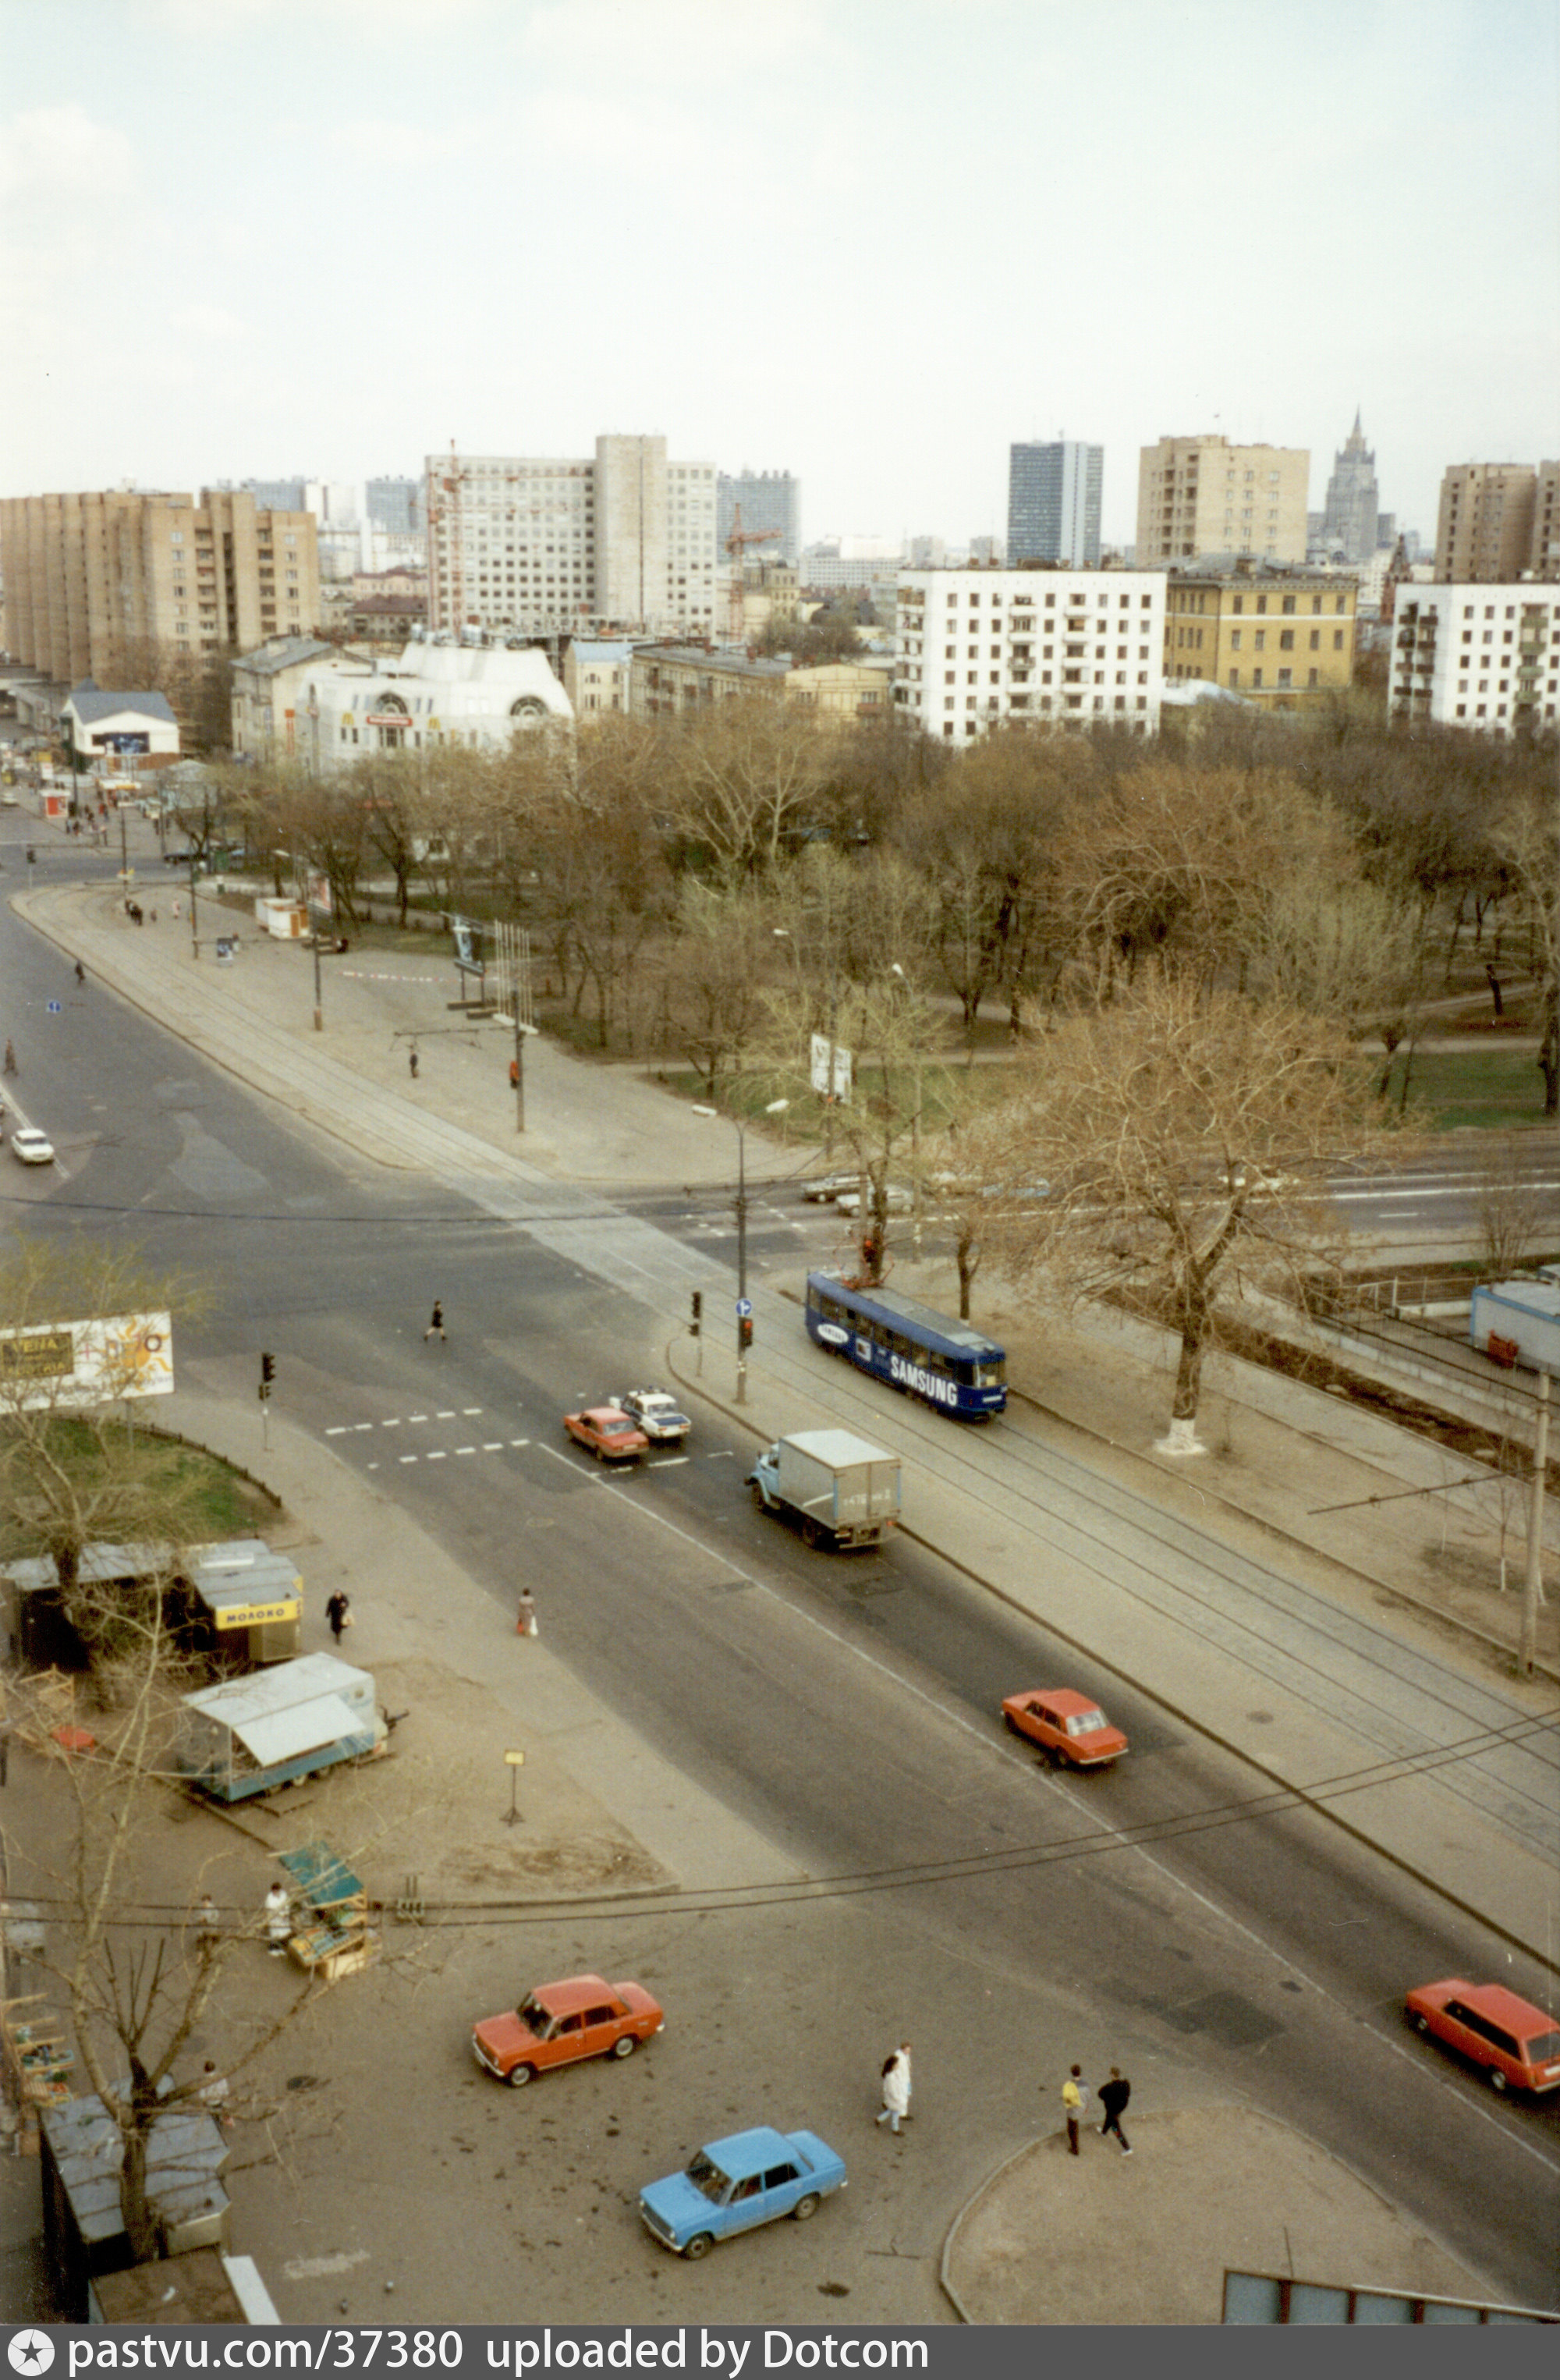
x,y
1533,1584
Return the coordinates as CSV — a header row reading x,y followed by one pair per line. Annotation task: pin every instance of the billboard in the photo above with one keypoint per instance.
x,y
831,1056
68,1363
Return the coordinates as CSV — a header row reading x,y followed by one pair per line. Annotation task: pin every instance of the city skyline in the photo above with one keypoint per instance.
x,y
334,306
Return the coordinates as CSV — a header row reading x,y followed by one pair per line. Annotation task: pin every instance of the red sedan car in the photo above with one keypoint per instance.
x,y
581,2017
611,1435
1515,2043
1067,1726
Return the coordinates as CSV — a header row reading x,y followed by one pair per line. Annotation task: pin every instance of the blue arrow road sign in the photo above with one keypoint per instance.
x,y
744,1305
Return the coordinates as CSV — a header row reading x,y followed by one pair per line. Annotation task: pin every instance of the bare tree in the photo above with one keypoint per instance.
x,y
716,977
1514,1211
71,1475
1528,837
1185,1133
744,776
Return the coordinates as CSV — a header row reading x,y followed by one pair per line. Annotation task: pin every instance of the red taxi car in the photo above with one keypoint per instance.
x,y
611,1436
581,2017
1067,1726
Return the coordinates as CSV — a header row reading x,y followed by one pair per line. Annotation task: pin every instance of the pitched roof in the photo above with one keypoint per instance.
x,y
91,703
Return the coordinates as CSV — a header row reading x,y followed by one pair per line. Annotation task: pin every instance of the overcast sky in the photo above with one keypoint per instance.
x,y
868,241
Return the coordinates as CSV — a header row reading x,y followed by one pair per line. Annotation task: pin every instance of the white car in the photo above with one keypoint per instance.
x,y
657,1414
31,1147
825,1187
897,1201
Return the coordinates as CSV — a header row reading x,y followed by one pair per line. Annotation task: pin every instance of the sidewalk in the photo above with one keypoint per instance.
x,y
1088,1406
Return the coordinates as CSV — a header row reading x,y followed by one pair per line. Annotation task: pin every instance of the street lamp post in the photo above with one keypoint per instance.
x,y
775,1107
914,1142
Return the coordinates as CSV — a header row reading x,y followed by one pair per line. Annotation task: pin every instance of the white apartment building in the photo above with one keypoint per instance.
x,y
1479,656
1066,648
624,542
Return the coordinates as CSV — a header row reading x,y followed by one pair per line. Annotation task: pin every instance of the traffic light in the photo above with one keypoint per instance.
x,y
698,1310
267,1373
744,1331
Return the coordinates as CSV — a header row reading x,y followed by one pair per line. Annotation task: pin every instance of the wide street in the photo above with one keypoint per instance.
x,y
842,1711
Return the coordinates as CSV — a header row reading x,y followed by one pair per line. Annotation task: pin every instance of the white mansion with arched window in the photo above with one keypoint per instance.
x,y
433,694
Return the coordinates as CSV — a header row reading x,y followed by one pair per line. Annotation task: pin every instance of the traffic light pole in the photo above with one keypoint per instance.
x,y
742,1263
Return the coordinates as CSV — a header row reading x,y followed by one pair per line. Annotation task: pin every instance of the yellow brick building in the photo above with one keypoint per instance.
x,y
1280,638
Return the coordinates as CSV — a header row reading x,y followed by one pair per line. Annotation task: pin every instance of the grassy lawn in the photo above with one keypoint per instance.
x,y
1485,1088
225,1504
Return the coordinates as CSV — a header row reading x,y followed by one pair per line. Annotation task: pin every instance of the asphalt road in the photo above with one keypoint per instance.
x,y
845,1709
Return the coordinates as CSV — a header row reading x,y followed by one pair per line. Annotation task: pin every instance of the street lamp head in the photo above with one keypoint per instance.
x,y
776,1106
696,1110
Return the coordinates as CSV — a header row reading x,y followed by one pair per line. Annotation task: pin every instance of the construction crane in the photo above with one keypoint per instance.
x,y
739,538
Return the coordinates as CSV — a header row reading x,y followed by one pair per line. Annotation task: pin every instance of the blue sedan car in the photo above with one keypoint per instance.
x,y
737,2183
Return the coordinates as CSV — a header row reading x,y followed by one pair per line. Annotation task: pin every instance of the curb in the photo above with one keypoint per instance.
x,y
1298,1794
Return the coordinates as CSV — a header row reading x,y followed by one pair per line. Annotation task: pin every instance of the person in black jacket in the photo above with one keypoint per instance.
x,y
1114,2096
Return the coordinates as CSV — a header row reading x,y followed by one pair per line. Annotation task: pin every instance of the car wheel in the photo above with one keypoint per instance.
x,y
1421,2024
518,2076
699,2245
1497,2080
758,1503
806,2208
811,1533
625,2045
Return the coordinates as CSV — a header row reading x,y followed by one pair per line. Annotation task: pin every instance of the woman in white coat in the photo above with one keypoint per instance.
x,y
896,2087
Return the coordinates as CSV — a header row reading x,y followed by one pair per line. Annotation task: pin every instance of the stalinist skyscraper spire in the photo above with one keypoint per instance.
x,y
1349,523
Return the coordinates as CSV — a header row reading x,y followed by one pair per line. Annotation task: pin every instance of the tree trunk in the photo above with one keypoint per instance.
x,y
1193,1339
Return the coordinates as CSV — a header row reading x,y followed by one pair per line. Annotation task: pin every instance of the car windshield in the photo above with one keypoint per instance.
x,y
1540,2047
614,1426
1087,1722
655,1404
532,2015
707,2177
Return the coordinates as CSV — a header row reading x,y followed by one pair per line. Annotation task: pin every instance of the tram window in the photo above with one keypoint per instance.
x,y
902,1345
989,1376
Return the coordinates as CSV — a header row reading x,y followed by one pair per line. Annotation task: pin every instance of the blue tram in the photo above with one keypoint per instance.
x,y
910,1345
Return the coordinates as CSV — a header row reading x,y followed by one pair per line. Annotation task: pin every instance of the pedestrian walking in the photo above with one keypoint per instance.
x,y
1074,2099
412,1061
278,1921
11,1065
175,913
153,917
208,1925
896,2088
214,2092
81,972
525,1625
338,1611
1114,2096
436,1324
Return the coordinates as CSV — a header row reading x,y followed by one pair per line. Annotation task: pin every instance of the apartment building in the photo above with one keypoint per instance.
x,y
1476,654
1204,496
669,680
1074,649
95,581
1545,549
1484,524
624,541
1055,491
596,676
1283,638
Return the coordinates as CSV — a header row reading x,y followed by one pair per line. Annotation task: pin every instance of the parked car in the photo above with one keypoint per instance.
x,y
609,1434
31,1147
827,1186
898,1200
737,2183
1516,2043
1067,1726
581,2017
657,1414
